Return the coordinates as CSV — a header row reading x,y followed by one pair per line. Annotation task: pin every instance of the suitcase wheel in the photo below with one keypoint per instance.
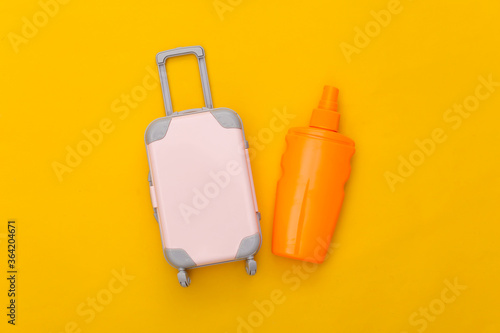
x,y
251,266
183,278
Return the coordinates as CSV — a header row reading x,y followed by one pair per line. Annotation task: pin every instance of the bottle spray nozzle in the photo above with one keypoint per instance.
x,y
329,98
325,116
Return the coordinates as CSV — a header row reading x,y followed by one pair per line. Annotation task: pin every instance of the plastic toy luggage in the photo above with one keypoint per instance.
x,y
201,182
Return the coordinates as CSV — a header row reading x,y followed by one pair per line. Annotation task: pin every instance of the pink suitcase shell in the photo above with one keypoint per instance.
x,y
201,182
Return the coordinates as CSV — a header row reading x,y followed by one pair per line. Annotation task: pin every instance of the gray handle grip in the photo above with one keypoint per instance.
x,y
162,57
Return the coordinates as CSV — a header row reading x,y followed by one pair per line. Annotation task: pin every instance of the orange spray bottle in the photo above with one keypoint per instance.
x,y
315,168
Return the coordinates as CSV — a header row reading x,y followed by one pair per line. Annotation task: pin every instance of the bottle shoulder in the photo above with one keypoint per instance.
x,y
320,134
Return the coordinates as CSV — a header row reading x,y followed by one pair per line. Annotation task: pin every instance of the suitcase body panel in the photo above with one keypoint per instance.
x,y
202,187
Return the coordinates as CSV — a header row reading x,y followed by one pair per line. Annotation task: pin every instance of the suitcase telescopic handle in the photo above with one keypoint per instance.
x,y
162,57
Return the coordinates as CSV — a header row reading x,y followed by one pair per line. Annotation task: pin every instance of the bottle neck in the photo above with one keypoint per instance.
x,y
325,119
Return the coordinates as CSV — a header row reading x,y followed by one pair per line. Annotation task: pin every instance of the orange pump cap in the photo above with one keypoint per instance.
x,y
325,116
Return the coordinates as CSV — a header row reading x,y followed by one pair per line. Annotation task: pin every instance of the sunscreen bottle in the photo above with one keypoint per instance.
x,y
315,168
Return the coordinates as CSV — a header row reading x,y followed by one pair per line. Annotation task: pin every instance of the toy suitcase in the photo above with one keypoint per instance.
x,y
201,182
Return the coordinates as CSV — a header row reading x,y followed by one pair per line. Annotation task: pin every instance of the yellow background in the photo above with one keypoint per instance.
x,y
394,250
